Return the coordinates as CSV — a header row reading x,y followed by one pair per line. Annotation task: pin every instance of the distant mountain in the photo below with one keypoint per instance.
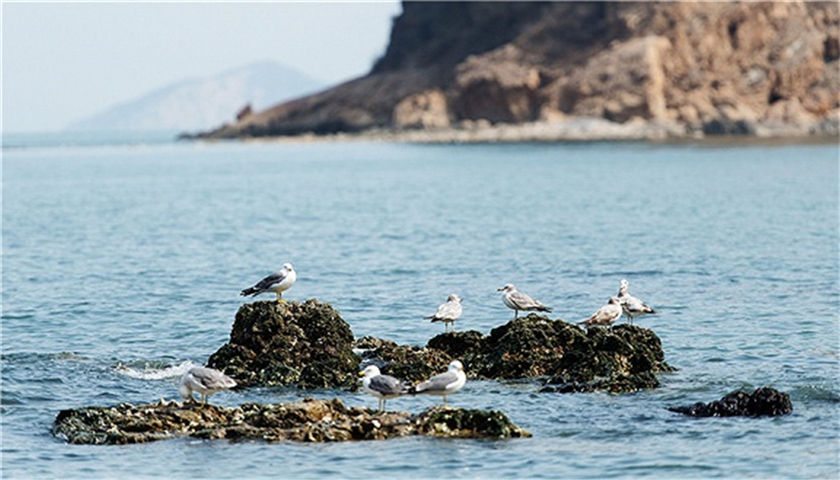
x,y
204,103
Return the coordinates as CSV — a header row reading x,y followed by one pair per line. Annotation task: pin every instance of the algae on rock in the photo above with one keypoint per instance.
x,y
305,421
289,343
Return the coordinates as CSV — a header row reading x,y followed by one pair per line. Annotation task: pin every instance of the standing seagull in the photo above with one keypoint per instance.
x,y
205,381
381,386
519,301
276,282
444,383
448,312
606,315
632,306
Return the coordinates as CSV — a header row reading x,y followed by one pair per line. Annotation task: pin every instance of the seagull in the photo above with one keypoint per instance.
x,y
519,301
205,381
632,306
448,312
276,282
606,315
381,386
444,383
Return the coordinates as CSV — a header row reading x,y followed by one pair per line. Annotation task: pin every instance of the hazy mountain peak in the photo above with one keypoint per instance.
x,y
201,103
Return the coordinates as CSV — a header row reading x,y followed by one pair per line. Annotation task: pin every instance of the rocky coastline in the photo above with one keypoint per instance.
x,y
460,72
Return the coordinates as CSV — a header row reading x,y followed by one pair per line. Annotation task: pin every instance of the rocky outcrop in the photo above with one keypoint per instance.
x,y
619,360
764,401
306,421
289,343
702,68
309,345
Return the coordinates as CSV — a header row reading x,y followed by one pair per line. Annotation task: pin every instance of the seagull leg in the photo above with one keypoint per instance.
x,y
515,314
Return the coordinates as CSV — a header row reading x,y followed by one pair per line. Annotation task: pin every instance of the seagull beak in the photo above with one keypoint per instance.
x,y
500,289
361,374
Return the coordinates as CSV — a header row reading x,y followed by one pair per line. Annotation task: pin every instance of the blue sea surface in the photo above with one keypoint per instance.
x,y
122,266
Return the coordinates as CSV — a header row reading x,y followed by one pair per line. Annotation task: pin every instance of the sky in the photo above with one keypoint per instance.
x,y
64,61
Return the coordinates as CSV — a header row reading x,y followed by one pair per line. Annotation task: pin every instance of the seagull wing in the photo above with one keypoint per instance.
x,y
438,383
212,379
448,311
386,385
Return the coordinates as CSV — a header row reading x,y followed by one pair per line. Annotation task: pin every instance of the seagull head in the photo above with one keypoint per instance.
x,y
456,366
288,267
614,301
624,283
507,288
454,298
369,371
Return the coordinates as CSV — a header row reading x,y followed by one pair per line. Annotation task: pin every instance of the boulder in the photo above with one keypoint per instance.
x,y
764,401
305,421
304,344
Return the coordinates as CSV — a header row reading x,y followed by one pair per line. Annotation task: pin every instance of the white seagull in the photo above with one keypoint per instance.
x,y
606,315
205,381
448,312
276,282
632,306
381,386
445,383
519,301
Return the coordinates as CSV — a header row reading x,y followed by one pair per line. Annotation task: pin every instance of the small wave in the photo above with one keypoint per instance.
x,y
149,372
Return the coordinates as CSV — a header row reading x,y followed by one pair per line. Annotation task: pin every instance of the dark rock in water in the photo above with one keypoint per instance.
x,y
460,423
306,421
289,343
619,360
764,401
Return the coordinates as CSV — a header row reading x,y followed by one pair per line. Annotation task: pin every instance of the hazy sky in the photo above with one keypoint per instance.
x,y
63,61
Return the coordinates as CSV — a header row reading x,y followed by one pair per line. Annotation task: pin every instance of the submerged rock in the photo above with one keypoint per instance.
x,y
764,401
289,343
305,421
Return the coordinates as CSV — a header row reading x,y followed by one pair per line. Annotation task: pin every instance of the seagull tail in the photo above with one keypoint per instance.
x,y
248,291
543,308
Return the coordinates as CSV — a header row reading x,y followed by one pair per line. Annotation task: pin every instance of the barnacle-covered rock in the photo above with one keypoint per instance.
x,y
289,343
305,421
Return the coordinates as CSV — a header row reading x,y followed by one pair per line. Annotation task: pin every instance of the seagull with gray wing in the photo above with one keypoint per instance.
x,y
448,312
443,384
517,301
381,386
632,306
205,381
606,315
277,282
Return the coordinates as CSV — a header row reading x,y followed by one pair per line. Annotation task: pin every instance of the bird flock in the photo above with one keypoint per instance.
x,y
207,381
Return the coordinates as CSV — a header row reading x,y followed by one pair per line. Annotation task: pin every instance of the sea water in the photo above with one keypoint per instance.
x,y
122,265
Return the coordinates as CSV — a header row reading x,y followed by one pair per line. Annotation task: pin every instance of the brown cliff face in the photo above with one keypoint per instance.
x,y
713,67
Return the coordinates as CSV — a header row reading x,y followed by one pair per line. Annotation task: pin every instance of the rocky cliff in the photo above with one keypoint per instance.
x,y
697,67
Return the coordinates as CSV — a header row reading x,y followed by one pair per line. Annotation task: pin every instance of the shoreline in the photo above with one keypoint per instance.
x,y
576,130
